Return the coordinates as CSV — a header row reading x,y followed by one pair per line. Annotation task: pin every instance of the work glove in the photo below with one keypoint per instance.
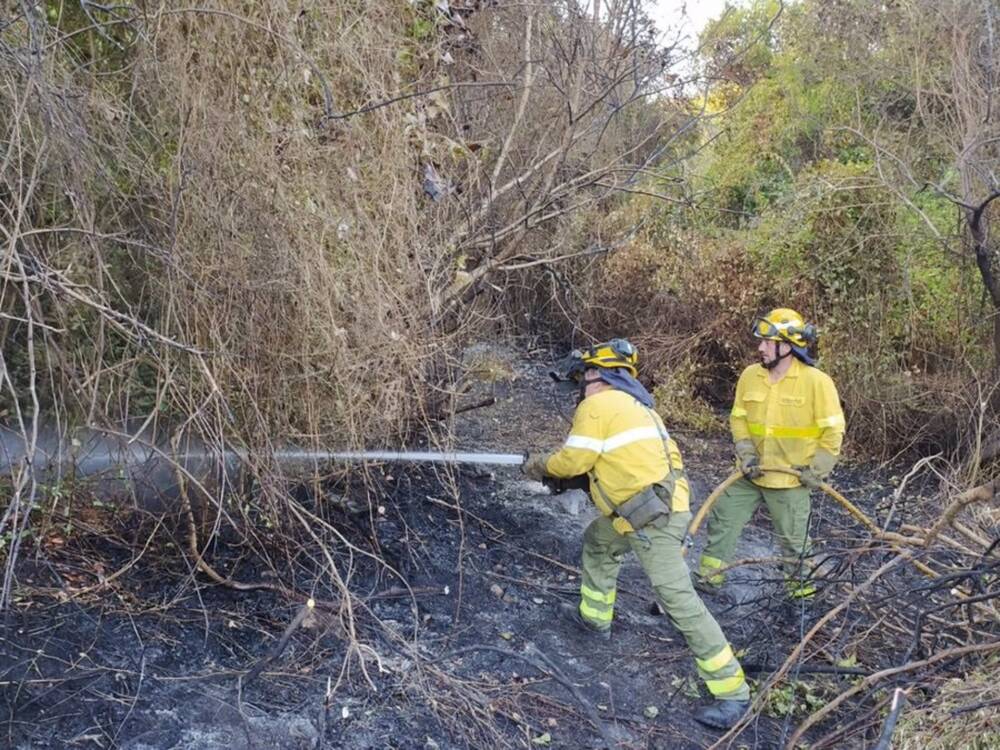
x,y
746,454
813,475
558,486
809,478
534,467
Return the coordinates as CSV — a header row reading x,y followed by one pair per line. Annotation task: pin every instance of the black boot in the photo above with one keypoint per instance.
x,y
722,714
572,614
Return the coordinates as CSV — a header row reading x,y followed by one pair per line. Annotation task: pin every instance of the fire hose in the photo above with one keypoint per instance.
x,y
892,539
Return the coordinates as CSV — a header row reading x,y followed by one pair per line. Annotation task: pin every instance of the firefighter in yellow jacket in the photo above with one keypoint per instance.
x,y
786,414
637,481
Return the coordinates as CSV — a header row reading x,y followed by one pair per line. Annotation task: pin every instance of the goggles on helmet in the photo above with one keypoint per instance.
x,y
614,353
789,332
609,355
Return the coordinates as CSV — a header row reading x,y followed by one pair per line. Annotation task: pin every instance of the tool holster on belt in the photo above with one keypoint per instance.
x,y
648,505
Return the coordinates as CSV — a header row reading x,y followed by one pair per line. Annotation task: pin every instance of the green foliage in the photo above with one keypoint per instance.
x,y
830,232
796,206
99,40
776,129
797,699
738,46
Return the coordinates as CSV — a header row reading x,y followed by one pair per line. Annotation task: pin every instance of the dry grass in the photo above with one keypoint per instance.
x,y
964,715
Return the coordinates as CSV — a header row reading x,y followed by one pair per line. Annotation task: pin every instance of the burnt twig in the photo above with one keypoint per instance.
x,y
279,647
898,701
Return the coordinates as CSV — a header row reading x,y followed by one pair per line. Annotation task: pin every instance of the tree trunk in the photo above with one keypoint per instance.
x,y
988,260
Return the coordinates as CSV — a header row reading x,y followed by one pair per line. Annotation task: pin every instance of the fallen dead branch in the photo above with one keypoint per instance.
x,y
984,493
796,654
951,616
871,680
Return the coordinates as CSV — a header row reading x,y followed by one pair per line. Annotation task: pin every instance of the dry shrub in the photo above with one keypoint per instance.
x,y
296,254
678,403
682,299
197,195
191,242
487,364
255,224
686,290
285,218
892,411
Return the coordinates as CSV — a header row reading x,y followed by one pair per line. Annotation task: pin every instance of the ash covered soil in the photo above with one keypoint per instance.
x,y
474,655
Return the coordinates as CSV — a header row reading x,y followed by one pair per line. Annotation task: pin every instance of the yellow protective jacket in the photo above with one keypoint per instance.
x,y
787,421
622,446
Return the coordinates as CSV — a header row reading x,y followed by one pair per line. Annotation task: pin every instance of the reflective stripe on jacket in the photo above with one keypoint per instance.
x,y
788,420
620,443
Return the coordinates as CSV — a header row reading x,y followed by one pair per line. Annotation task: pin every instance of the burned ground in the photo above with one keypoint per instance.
x,y
456,581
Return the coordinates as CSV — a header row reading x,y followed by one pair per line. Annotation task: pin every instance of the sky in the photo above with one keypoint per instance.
x,y
689,16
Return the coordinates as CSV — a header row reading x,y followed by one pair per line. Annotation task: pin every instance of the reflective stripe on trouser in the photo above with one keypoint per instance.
x,y
789,510
597,607
708,570
603,549
799,588
660,556
723,675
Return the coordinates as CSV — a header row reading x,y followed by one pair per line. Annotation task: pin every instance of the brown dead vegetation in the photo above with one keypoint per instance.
x,y
270,223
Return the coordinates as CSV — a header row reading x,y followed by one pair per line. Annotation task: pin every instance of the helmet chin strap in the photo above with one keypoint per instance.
x,y
772,363
584,382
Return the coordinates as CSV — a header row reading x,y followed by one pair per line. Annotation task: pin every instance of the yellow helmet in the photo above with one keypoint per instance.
x,y
783,324
611,354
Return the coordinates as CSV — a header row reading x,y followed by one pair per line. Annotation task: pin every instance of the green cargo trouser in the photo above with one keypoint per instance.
x,y
658,547
789,510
